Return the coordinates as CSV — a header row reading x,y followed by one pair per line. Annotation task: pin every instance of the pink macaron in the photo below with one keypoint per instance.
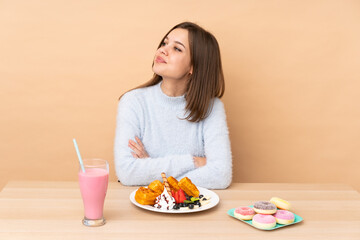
x,y
263,221
244,213
284,217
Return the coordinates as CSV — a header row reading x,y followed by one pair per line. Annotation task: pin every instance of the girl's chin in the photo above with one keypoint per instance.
x,y
156,71
168,76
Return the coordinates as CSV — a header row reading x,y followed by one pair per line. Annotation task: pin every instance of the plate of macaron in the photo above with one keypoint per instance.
x,y
266,215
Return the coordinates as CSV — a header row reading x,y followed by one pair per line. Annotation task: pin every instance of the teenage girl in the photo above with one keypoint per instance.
x,y
175,123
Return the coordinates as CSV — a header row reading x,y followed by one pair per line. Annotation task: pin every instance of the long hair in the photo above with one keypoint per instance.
x,y
207,79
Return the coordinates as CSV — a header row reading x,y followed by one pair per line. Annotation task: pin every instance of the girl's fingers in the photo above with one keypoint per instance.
x,y
138,148
135,145
137,151
139,142
138,145
134,155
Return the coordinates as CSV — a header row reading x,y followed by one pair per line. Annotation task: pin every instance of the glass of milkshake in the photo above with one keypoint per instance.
x,y
93,186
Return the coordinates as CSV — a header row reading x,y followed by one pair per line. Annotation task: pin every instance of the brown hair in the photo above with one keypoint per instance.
x,y
207,79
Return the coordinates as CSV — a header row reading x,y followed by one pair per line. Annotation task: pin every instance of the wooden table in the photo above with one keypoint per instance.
x,y
53,210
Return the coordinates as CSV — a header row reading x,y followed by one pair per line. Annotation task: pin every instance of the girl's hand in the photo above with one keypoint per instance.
x,y
138,148
199,161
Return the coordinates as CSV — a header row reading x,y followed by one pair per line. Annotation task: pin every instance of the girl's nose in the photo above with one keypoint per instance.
x,y
163,50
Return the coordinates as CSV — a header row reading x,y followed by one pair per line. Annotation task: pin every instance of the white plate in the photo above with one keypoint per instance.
x,y
206,192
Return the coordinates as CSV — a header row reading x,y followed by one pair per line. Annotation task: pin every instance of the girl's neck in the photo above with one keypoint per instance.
x,y
173,88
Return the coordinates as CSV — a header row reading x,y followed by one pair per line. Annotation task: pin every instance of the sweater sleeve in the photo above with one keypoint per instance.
x,y
141,171
217,173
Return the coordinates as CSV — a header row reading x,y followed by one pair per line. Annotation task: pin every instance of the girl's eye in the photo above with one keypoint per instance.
x,y
177,49
163,44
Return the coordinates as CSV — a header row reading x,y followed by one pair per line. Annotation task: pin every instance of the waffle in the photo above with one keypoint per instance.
x,y
173,183
188,187
156,186
145,196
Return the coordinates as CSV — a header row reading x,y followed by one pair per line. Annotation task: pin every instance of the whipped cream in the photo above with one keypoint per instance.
x,y
164,201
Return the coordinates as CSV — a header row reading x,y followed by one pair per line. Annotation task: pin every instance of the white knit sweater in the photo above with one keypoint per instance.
x,y
170,141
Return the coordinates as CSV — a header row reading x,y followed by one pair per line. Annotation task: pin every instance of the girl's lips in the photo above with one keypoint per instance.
x,y
159,59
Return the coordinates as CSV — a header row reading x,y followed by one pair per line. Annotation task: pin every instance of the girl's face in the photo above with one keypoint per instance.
x,y
172,60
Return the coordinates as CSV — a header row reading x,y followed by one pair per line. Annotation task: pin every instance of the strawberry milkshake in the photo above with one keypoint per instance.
x,y
93,186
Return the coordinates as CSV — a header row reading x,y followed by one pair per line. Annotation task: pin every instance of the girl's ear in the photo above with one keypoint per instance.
x,y
191,70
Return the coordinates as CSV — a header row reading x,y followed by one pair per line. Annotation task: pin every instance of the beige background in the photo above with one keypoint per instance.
x,y
291,68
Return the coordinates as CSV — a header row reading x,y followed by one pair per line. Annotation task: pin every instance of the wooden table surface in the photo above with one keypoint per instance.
x,y
53,210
